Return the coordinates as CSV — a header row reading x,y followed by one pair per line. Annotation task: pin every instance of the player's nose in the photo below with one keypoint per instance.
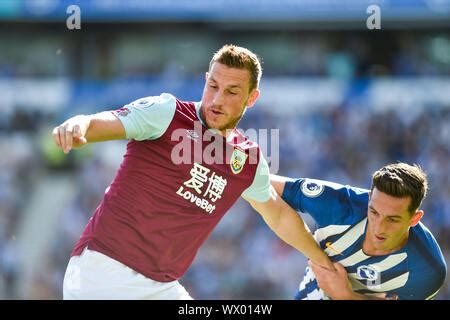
x,y
217,99
380,228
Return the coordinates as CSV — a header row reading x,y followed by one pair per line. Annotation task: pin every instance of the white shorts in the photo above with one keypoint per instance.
x,y
95,276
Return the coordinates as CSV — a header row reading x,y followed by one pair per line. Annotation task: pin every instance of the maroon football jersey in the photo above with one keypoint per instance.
x,y
157,212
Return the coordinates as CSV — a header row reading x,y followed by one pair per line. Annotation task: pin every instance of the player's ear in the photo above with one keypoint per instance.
x,y
416,218
206,75
253,96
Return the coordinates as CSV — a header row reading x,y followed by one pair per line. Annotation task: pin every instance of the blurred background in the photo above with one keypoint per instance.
x,y
346,100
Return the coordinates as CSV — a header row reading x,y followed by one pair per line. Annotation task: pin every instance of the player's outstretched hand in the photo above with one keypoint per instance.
x,y
72,133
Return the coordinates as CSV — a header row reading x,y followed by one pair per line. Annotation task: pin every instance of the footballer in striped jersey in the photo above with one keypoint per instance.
x,y
375,237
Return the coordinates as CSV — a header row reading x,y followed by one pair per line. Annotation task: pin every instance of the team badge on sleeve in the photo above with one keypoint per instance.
x,y
140,103
237,161
144,102
122,112
312,188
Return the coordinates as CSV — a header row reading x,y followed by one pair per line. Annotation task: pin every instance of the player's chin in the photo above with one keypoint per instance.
x,y
217,125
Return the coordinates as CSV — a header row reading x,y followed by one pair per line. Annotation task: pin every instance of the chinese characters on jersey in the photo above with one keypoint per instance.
x,y
203,179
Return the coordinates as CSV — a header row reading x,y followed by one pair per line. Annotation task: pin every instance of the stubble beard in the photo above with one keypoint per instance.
x,y
229,125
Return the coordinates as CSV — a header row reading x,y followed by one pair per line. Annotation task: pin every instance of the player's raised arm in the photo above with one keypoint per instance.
x,y
79,130
290,227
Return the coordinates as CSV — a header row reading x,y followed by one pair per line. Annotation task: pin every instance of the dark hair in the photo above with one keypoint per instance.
x,y
402,180
240,58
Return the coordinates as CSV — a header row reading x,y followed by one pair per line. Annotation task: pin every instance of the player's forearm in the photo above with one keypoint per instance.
x,y
104,126
79,130
292,229
289,227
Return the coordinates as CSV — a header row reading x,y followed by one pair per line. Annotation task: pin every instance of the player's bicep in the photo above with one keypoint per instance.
x,y
266,206
278,182
271,209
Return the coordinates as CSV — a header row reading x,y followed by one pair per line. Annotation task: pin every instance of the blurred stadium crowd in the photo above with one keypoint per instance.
x,y
242,259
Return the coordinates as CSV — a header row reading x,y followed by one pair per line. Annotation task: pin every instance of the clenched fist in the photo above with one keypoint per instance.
x,y
72,133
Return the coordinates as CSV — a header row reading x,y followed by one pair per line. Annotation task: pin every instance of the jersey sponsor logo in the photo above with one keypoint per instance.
x,y
237,161
312,188
199,202
367,273
200,177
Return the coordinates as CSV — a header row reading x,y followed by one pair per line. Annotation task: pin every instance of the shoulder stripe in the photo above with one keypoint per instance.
x,y
389,262
328,231
355,258
347,239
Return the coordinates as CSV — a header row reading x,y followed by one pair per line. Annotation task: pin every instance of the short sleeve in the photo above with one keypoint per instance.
x,y
259,190
327,202
426,265
147,118
423,285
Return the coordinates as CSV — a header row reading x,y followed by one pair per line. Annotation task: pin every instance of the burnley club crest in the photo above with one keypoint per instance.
x,y
237,161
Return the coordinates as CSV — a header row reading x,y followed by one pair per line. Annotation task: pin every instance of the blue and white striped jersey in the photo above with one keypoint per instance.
x,y
415,272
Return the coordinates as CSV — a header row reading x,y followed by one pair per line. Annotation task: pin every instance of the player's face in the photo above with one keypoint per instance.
x,y
388,223
226,96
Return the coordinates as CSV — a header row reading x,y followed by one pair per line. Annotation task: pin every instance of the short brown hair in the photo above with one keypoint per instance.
x,y
402,180
240,58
